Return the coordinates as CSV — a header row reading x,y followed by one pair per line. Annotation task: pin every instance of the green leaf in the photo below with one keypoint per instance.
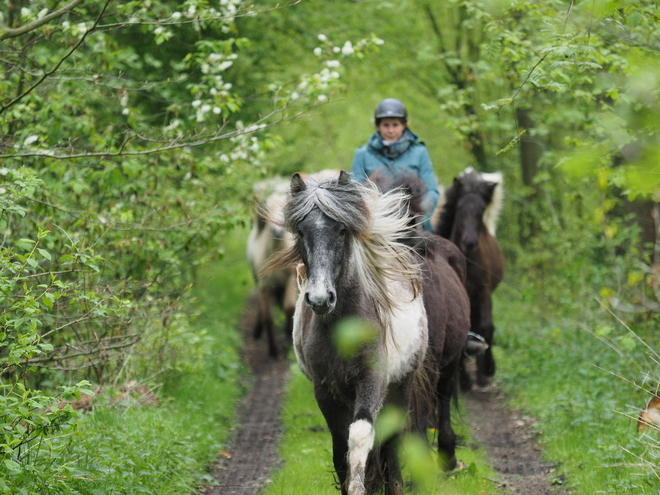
x,y
45,254
12,465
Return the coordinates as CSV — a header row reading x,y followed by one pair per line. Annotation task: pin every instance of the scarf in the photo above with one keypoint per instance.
x,y
395,149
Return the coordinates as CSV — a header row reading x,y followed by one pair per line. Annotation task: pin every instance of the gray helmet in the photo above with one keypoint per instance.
x,y
391,108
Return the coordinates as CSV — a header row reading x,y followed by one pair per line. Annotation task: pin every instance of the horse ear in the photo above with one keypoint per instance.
x,y
297,184
487,190
344,178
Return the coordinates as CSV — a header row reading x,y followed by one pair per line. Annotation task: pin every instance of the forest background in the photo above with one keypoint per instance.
x,y
132,133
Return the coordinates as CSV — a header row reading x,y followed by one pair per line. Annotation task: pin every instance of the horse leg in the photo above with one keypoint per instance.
x,y
338,419
486,362
446,389
266,301
399,395
289,304
465,378
369,397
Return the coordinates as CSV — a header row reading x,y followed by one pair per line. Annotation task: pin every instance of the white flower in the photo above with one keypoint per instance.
x,y
30,139
4,171
42,13
378,41
322,98
318,51
176,15
347,49
215,57
323,37
206,108
333,63
25,12
334,74
196,103
295,95
125,111
336,49
217,110
225,65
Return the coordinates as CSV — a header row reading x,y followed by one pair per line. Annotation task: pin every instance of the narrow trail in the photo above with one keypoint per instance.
x,y
506,435
510,442
252,456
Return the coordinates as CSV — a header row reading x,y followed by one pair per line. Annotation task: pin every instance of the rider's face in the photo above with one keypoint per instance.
x,y
391,129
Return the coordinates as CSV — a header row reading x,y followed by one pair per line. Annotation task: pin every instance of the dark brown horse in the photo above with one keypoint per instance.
x,y
359,263
468,219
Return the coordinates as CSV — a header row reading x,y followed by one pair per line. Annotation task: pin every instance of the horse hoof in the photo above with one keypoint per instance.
x,y
449,463
482,380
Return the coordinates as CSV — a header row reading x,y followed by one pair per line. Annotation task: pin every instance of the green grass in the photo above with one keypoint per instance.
x,y
306,452
554,368
166,450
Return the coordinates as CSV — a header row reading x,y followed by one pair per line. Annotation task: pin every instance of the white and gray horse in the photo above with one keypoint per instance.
x,y
356,261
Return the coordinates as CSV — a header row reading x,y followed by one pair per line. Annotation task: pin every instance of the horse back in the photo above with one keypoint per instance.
x,y
446,300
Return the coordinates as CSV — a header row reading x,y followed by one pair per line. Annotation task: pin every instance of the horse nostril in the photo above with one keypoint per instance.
x,y
332,298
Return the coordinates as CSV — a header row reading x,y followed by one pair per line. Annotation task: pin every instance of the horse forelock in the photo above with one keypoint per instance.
x,y
342,202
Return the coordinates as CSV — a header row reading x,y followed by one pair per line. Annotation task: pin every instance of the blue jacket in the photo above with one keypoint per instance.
x,y
408,154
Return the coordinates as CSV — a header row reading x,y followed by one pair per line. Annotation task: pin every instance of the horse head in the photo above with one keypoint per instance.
x,y
472,196
322,239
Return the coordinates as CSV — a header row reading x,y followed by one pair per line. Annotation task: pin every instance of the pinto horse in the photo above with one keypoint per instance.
x,y
468,219
267,237
351,241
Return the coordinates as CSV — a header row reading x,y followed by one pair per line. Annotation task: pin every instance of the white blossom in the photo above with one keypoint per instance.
x,y
42,13
217,110
322,98
176,15
323,37
336,49
318,51
196,103
333,63
125,111
347,49
30,139
25,12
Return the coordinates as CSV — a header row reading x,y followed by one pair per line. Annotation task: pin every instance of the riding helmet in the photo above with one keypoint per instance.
x,y
391,108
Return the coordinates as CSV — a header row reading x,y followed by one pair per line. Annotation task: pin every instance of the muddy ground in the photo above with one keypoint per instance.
x,y
506,435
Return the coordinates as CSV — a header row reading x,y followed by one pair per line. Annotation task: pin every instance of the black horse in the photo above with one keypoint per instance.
x,y
468,219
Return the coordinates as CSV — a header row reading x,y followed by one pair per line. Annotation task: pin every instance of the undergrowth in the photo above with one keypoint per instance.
x,y
166,449
585,377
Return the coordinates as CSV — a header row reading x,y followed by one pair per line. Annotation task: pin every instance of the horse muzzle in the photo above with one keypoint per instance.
x,y
322,302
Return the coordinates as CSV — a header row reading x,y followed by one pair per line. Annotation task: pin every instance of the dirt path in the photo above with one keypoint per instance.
x,y
510,442
245,467
507,436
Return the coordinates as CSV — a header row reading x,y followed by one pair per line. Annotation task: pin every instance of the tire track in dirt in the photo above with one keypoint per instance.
x,y
252,455
507,436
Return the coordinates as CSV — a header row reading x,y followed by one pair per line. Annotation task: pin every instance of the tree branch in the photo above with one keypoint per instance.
x,y
14,33
57,66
